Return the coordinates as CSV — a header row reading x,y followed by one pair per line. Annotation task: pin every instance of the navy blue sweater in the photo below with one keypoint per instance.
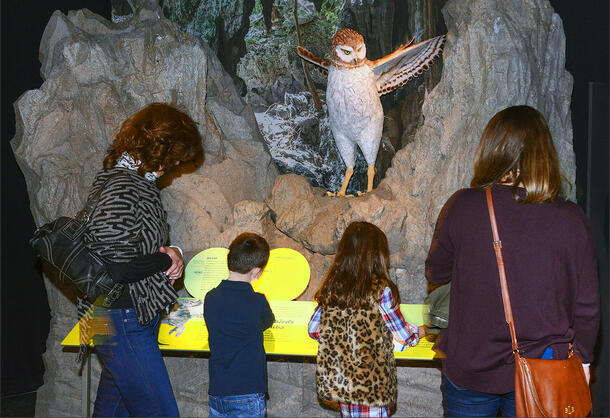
x,y
236,317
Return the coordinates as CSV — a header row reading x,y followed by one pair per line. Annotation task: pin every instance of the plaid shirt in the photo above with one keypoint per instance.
x,y
362,411
403,332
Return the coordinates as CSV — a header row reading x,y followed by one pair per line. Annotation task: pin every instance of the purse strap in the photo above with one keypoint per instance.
x,y
85,214
497,244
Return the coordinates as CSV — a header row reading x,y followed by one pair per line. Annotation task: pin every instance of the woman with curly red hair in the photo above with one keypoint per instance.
x,y
129,229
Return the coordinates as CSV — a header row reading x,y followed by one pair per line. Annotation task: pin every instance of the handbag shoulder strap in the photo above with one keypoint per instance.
x,y
497,244
85,214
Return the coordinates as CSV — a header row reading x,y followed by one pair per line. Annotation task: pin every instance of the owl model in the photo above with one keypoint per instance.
x,y
353,90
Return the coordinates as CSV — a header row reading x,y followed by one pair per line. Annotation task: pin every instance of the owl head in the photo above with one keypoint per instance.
x,y
348,48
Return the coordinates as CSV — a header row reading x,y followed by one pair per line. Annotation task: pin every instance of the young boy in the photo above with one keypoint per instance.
x,y
236,317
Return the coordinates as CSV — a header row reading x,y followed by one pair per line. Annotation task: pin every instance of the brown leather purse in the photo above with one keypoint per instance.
x,y
543,388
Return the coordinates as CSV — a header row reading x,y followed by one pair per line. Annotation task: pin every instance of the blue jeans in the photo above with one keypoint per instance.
x,y
250,405
134,379
459,402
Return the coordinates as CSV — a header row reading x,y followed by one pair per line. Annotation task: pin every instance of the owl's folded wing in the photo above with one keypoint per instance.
x,y
407,62
319,64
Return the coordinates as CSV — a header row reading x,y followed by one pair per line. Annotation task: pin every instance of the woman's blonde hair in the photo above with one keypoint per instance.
x,y
158,135
517,148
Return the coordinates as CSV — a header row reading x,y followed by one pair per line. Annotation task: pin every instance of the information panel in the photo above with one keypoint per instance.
x,y
205,271
185,330
285,277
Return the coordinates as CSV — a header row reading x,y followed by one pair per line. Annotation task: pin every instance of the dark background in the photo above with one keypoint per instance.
x,y
25,310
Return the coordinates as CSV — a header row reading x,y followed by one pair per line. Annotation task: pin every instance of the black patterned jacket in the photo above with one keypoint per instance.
x,y
129,221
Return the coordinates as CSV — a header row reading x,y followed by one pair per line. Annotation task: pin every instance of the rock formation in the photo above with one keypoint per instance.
x,y
97,73
223,25
494,58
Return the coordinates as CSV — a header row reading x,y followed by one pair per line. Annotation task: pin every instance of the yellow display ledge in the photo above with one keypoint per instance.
x,y
185,330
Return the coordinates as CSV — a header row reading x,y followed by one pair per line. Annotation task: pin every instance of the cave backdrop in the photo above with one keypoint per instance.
x,y
269,155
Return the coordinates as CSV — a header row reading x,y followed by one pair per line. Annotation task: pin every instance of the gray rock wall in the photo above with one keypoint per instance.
x,y
96,74
498,53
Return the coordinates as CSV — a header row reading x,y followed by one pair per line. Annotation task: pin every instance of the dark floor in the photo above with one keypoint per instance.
x,y
19,405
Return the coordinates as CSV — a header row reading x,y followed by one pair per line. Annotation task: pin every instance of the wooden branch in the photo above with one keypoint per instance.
x,y
314,94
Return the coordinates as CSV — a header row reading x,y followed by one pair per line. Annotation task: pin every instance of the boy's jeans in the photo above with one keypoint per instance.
x,y
250,405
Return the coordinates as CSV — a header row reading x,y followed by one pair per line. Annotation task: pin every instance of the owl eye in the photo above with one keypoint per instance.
x,y
346,52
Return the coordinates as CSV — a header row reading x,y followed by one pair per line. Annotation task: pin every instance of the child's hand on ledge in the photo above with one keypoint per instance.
x,y
422,331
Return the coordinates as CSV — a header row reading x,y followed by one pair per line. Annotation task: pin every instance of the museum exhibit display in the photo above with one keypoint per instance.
x,y
354,86
271,154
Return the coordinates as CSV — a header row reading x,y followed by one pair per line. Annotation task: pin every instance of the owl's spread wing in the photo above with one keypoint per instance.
x,y
319,64
407,62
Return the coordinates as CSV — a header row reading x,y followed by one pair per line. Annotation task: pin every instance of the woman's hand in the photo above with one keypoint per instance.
x,y
585,368
175,270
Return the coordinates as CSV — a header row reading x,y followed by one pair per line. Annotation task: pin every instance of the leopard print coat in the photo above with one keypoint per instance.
x,y
355,362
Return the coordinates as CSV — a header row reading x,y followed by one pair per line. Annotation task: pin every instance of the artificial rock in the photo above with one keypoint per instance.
x,y
97,73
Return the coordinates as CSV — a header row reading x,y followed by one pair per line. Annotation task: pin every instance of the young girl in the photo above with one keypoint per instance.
x,y
356,318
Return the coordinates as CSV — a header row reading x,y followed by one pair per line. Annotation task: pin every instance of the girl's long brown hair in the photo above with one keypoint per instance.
x,y
517,147
360,269
158,135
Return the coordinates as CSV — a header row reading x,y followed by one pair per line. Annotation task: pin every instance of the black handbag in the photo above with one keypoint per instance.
x,y
60,244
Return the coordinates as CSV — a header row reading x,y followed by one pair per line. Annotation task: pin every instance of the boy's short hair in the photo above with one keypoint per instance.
x,y
247,251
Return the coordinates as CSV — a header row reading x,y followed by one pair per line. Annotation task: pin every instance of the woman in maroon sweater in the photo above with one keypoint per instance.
x,y
550,267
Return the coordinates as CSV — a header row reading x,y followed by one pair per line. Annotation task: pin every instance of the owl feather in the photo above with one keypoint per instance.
x,y
319,64
406,63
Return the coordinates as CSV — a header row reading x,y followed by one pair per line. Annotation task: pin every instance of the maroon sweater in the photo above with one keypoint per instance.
x,y
552,280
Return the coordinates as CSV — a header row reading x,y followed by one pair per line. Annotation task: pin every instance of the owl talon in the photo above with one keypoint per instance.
x,y
338,194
